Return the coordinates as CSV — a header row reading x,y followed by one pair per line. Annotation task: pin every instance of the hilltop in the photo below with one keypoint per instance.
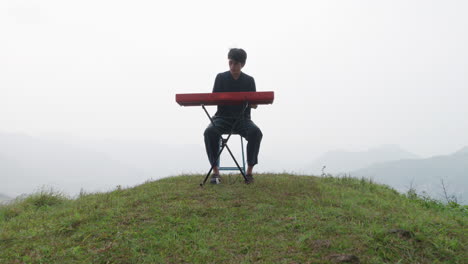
x,y
281,218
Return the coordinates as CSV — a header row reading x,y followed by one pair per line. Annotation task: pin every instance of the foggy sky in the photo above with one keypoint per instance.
x,y
346,74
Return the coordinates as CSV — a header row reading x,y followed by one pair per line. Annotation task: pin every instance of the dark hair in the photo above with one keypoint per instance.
x,y
238,55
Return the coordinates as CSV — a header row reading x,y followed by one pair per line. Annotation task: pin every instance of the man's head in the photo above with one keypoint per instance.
x,y
237,58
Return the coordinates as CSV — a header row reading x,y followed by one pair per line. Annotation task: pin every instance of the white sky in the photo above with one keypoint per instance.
x,y
346,74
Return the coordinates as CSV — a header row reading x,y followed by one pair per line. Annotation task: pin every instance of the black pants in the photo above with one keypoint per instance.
x,y
245,127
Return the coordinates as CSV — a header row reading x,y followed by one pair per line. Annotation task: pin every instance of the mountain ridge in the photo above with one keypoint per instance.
x,y
425,175
341,161
31,163
4,197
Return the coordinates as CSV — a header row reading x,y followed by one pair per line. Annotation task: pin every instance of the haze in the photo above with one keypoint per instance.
x,y
347,75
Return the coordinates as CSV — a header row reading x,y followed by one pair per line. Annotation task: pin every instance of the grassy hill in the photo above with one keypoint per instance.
x,y
280,218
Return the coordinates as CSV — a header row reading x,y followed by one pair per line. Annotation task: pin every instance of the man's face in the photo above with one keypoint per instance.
x,y
235,67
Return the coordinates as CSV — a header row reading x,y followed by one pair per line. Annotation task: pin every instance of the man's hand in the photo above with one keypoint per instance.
x,y
254,106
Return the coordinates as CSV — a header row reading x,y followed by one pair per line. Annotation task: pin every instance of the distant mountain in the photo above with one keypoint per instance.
x,y
345,161
462,151
28,164
152,158
3,197
66,164
424,174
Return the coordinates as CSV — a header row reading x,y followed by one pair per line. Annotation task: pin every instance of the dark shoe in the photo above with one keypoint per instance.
x,y
249,179
215,179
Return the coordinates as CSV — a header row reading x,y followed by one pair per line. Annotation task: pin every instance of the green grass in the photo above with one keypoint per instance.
x,y
281,218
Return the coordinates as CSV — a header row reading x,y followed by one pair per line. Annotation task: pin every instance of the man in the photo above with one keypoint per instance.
x,y
233,80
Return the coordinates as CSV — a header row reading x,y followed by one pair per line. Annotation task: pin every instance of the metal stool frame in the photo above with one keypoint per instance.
x,y
243,157
224,144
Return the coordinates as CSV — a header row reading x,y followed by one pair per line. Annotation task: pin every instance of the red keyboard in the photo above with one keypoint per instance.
x,y
228,98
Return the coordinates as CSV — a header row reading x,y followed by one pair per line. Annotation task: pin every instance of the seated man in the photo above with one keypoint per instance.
x,y
233,80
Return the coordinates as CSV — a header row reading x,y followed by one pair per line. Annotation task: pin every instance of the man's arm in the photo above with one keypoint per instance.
x,y
253,88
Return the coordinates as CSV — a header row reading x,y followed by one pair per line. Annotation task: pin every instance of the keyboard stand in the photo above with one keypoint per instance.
x,y
224,143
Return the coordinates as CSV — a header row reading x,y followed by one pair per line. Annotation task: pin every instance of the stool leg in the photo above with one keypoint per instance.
x,y
237,164
243,156
221,144
217,160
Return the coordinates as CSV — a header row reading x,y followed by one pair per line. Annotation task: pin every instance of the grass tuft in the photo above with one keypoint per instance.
x,y
42,199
